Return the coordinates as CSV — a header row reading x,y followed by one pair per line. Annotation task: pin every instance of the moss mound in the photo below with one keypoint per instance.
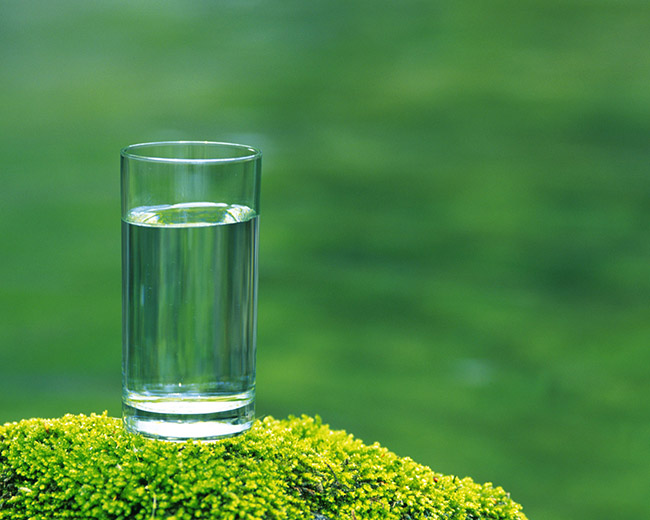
x,y
89,467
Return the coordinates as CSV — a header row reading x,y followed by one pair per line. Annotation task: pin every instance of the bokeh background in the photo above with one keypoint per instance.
x,y
455,245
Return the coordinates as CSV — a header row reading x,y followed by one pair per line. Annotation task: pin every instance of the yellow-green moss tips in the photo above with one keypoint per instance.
x,y
89,467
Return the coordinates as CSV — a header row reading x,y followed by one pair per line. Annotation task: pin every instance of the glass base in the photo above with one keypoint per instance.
x,y
183,417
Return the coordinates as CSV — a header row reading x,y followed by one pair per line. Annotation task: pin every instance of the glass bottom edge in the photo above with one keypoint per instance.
x,y
171,426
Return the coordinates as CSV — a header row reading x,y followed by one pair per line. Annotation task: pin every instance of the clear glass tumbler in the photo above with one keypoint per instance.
x,y
190,217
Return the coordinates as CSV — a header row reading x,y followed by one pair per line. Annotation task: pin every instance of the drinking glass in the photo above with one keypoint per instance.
x,y
190,219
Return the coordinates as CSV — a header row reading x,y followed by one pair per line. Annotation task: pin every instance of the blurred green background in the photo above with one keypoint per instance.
x,y
455,244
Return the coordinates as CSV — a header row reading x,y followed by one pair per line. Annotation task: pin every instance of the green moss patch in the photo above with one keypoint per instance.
x,y
298,468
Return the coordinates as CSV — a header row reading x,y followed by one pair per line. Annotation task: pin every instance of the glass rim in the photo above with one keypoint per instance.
x,y
130,152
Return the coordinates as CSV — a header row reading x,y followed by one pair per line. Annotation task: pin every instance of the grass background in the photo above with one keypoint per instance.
x,y
455,245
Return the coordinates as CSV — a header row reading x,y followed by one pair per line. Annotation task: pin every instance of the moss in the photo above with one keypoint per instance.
x,y
89,467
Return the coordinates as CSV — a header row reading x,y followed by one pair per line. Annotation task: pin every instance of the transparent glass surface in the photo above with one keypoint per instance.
x,y
190,221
